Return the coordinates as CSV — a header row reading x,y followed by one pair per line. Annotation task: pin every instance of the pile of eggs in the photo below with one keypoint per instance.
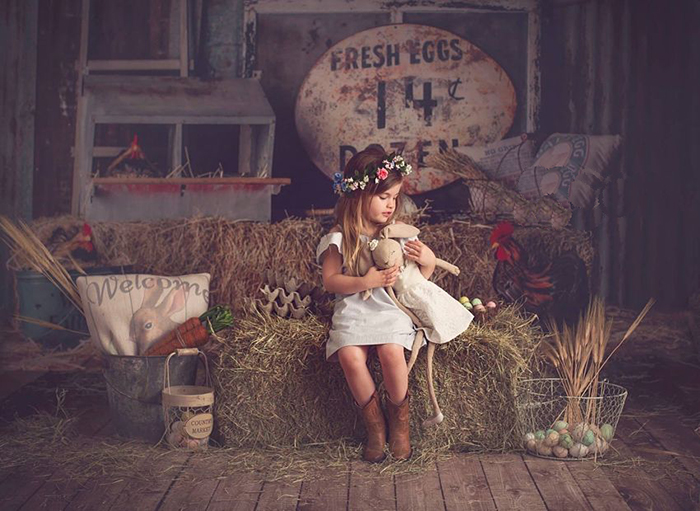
x,y
177,436
476,305
583,440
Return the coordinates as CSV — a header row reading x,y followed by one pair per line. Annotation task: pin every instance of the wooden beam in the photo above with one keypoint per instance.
x,y
191,181
184,39
137,65
343,6
534,82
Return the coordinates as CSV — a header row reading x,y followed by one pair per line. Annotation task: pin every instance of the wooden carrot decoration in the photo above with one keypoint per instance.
x,y
194,332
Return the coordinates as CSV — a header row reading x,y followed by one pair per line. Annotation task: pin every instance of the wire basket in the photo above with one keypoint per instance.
x,y
556,426
187,409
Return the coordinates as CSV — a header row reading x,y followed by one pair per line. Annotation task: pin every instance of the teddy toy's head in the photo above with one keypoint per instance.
x,y
387,253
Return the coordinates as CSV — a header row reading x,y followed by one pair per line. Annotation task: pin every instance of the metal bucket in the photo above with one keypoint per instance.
x,y
134,386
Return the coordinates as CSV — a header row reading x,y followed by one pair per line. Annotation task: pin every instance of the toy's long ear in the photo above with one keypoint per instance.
x,y
399,231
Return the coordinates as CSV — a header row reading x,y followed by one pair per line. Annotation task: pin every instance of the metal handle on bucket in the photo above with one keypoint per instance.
x,y
185,352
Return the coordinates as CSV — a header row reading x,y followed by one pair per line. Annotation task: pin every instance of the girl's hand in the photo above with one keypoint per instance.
x,y
381,278
417,251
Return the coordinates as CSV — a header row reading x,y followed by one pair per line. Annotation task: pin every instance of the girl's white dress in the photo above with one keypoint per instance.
x,y
358,322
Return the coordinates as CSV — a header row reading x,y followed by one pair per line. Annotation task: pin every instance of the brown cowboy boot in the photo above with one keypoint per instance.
x,y
373,416
399,441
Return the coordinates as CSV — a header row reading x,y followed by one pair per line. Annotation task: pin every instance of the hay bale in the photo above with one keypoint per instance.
x,y
275,389
236,253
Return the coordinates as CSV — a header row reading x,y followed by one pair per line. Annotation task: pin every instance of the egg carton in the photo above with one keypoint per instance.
x,y
290,284
283,303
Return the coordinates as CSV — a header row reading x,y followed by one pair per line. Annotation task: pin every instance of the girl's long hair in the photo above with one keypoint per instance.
x,y
352,208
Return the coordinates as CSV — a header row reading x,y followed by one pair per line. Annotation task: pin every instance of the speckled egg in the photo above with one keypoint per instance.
x,y
607,431
579,432
578,450
588,438
560,452
552,438
544,450
566,441
559,425
476,301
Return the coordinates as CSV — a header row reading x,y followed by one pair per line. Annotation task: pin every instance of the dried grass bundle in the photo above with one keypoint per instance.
x,y
26,245
492,200
578,355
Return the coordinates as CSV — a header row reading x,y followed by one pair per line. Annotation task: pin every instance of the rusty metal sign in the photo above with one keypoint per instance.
x,y
408,87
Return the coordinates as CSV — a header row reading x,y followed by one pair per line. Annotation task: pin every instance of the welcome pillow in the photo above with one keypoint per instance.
x,y
128,313
570,167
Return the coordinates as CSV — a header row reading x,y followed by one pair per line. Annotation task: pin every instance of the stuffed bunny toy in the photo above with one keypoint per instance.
x,y
438,316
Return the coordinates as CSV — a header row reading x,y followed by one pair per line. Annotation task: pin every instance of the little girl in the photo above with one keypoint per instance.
x,y
370,196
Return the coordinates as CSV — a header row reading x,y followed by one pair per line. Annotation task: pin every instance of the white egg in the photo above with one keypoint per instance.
x,y
551,439
531,445
578,450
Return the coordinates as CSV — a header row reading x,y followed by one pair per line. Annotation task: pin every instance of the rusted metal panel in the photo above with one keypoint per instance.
x,y
615,67
408,87
18,36
222,40
18,40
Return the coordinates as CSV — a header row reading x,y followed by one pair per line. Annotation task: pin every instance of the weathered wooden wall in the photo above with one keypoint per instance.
x,y
18,35
631,67
608,66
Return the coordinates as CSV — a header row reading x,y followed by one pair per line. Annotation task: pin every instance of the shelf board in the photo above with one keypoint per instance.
x,y
191,181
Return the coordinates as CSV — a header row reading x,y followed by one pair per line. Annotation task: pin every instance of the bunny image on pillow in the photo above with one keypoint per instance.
x,y
438,316
126,314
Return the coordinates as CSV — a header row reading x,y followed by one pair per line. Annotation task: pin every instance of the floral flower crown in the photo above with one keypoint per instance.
x,y
370,173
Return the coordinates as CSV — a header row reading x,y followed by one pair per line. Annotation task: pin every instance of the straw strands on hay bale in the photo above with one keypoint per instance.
x,y
236,253
275,388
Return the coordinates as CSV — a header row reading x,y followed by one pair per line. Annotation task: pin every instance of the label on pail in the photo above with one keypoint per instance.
x,y
200,426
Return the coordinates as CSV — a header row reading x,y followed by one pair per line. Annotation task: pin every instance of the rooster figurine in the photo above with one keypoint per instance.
x,y
76,242
556,289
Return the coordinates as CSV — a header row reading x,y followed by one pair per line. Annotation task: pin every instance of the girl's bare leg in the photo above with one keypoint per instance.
x,y
395,370
353,360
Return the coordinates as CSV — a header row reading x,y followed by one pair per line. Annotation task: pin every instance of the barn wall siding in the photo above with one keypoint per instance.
x,y
18,35
608,66
630,67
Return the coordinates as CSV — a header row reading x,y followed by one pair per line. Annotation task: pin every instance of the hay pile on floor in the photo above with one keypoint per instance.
x,y
274,387
236,253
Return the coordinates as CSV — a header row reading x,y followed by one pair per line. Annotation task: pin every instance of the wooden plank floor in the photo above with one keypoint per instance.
x,y
464,482
657,449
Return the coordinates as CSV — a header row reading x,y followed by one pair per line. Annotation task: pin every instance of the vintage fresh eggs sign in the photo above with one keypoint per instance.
x,y
407,87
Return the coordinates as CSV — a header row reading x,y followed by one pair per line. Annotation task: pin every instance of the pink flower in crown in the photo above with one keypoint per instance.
x,y
382,174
